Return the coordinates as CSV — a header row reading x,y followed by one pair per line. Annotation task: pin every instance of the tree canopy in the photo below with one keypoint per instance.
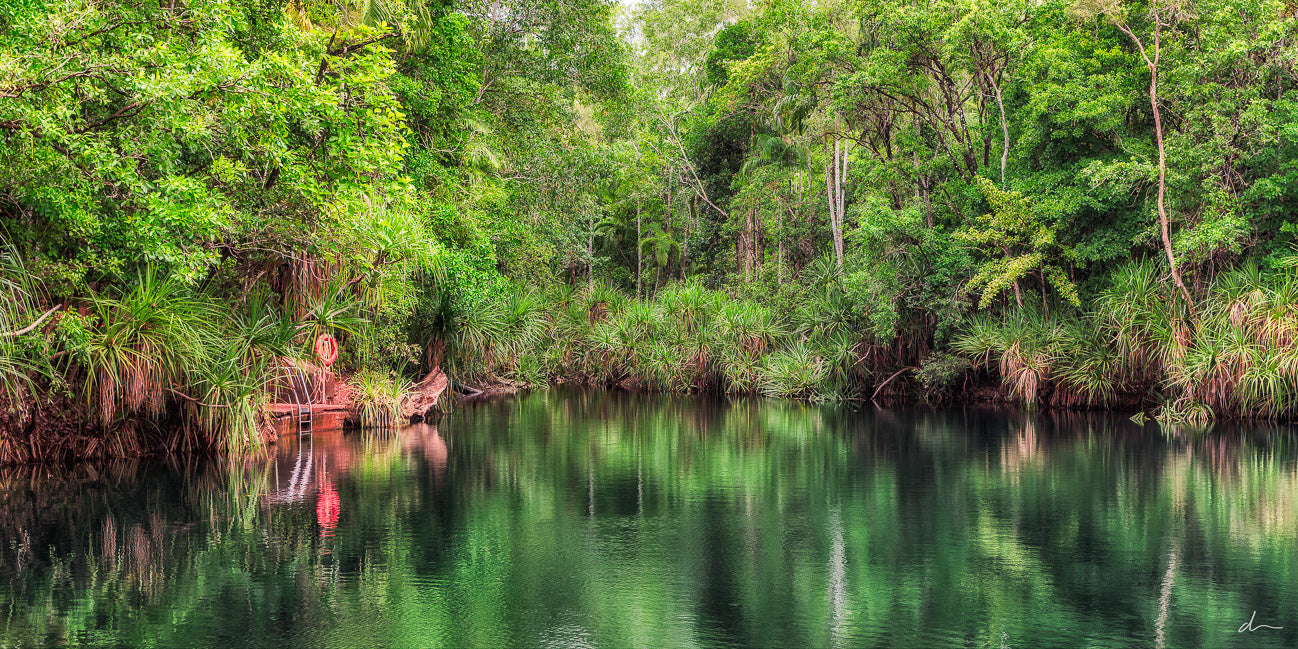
x,y
419,157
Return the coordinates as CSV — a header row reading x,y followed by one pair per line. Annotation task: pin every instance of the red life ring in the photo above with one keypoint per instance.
x,y
327,507
326,349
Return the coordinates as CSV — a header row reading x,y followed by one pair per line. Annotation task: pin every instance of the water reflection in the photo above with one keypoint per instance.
x,y
578,519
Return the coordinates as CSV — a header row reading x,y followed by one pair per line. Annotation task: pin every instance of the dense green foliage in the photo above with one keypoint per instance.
x,y
686,338
203,188
417,176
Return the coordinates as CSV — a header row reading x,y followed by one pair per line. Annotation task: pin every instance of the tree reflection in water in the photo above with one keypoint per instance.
x,y
622,520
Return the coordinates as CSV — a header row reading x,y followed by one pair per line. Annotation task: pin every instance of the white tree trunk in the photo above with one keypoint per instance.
x,y
831,170
1005,128
842,208
836,190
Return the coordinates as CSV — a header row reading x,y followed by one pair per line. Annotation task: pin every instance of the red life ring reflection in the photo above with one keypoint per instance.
x,y
326,349
327,507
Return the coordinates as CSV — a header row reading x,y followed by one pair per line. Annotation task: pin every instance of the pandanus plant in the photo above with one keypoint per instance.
x,y
18,316
147,336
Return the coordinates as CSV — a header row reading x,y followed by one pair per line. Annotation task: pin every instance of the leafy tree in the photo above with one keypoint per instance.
x,y
1025,244
1163,15
140,134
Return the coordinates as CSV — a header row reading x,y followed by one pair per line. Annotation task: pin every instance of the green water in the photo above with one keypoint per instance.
x,y
605,520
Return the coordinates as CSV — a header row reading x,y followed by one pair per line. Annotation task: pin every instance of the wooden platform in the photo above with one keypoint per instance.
x,y
285,409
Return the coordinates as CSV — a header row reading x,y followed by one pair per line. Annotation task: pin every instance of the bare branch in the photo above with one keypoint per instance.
x,y
32,326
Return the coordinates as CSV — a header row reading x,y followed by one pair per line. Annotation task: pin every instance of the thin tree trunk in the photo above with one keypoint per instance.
x,y
1005,127
685,242
921,187
779,273
834,174
838,216
1158,139
831,164
842,208
749,257
590,252
639,254
1162,168
779,245
743,245
1044,304
698,187
748,245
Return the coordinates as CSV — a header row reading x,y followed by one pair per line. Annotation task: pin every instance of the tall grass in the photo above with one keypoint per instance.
x,y
379,396
18,371
236,364
157,344
686,338
147,336
1024,348
155,358
1234,356
1242,360
792,371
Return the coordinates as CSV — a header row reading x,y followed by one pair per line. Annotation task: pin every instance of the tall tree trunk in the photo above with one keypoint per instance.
x,y
750,244
921,186
1162,167
779,243
743,247
779,271
842,207
590,252
746,241
1005,127
1158,139
838,216
639,254
685,242
835,170
831,168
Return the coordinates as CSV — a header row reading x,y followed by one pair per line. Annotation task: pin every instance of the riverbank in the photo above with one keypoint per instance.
x,y
59,429
1137,346
158,369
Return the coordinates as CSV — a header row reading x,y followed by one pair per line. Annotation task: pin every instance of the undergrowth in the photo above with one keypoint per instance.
x,y
1231,355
